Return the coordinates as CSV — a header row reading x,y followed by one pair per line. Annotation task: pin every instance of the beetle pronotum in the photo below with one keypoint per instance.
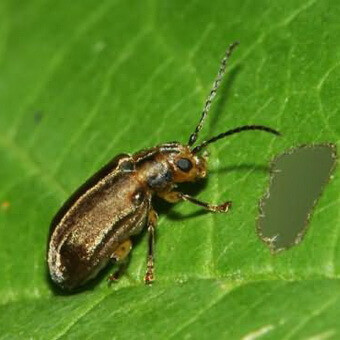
x,y
95,225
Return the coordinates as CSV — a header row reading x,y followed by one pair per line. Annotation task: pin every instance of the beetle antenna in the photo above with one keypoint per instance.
x,y
233,131
212,94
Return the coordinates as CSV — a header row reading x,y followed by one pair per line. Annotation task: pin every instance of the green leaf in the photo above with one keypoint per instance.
x,y
83,81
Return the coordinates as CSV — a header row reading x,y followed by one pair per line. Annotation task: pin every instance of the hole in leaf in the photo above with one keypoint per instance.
x,y
297,181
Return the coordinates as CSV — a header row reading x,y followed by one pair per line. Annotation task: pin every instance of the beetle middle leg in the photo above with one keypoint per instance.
x,y
152,221
176,196
120,254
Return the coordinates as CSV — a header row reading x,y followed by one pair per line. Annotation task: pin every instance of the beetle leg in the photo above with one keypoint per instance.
x,y
122,251
120,255
152,221
175,196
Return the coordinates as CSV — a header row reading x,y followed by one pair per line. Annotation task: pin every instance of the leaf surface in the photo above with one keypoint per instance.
x,y
80,83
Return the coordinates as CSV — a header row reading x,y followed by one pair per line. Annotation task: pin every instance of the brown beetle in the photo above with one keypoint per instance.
x,y
95,225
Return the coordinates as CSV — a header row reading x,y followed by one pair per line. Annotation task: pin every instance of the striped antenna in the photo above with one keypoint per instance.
x,y
216,85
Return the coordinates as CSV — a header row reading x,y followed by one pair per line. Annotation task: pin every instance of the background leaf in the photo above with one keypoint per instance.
x,y
81,82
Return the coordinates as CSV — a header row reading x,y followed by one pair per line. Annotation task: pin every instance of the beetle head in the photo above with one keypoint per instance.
x,y
187,166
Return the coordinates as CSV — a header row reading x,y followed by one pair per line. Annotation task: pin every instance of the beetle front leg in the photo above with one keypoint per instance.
x,y
175,196
152,221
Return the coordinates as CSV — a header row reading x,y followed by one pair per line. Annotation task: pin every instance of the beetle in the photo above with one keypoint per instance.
x,y
96,223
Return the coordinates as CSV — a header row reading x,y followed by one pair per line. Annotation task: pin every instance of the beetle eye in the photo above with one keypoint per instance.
x,y
184,164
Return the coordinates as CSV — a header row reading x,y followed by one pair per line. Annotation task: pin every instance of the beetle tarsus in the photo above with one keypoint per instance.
x,y
113,278
224,207
149,277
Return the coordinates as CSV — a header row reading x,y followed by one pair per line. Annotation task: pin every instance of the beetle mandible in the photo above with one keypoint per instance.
x,y
95,225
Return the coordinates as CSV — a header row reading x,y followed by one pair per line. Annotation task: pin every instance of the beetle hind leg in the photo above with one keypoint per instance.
x,y
120,254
